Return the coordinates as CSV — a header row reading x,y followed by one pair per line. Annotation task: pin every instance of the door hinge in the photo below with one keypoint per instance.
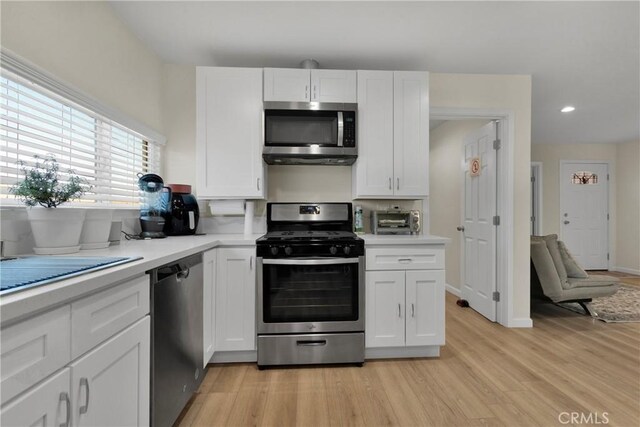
x,y
497,144
607,217
496,220
496,296
607,177
533,179
607,256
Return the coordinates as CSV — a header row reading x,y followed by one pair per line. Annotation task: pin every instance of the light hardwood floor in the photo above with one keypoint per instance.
x,y
486,375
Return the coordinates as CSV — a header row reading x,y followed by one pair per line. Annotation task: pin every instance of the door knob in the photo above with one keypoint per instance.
x,y
460,228
566,222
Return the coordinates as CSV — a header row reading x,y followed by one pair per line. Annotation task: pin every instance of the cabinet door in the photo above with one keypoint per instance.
x,y
229,133
287,85
110,384
411,133
333,86
373,171
48,404
425,307
208,304
235,300
385,309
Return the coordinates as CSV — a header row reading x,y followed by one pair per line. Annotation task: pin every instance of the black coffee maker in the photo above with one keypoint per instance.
x,y
154,206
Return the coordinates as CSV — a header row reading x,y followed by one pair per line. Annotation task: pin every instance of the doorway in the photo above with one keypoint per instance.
x,y
584,212
504,207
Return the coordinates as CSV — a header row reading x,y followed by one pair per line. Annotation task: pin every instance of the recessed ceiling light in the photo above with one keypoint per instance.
x,y
567,109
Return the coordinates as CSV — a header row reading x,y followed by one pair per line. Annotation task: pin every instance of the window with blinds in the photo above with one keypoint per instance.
x,y
37,121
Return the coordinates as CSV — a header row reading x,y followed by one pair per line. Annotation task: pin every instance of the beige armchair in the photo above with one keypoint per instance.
x,y
557,277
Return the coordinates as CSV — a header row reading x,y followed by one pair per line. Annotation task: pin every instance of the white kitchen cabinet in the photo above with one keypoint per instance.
x,y
110,384
303,85
209,303
229,130
48,404
393,129
235,309
405,308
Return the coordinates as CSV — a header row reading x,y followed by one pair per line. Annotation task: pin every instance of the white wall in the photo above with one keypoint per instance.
x,y
628,217
87,45
501,92
445,199
624,194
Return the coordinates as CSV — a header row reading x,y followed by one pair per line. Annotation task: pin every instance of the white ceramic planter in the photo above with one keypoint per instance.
x,y
56,230
96,228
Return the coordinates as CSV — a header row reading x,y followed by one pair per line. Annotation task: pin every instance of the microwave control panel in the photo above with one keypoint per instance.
x,y
349,118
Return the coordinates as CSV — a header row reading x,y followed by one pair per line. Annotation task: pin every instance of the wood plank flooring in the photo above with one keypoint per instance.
x,y
486,375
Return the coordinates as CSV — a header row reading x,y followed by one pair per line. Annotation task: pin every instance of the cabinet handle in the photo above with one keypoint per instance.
x,y
315,95
306,91
85,382
413,311
399,312
398,183
251,262
64,397
405,259
390,185
258,183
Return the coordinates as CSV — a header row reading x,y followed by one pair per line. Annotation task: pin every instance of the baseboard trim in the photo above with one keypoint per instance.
x,y
452,290
234,356
401,352
626,270
522,322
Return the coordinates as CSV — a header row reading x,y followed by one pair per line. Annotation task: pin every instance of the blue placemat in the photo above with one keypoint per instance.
x,y
20,272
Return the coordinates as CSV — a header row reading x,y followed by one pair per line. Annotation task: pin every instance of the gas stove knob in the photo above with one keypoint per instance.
x,y
274,250
288,250
333,250
346,250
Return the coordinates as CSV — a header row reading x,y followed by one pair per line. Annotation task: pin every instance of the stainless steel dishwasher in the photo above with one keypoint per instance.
x,y
176,337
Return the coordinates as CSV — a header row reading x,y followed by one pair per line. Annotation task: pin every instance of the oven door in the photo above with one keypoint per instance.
x,y
310,295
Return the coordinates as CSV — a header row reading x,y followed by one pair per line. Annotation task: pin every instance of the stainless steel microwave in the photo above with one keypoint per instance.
x,y
310,133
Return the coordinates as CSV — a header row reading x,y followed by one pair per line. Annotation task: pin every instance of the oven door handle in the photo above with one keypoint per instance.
x,y
314,261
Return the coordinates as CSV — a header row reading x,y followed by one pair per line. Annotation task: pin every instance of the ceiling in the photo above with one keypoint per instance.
x,y
584,54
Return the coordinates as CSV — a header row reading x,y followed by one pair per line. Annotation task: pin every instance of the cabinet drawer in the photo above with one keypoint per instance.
x,y
405,258
100,316
34,349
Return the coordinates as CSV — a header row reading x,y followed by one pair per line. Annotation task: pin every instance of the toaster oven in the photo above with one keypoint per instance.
x,y
395,222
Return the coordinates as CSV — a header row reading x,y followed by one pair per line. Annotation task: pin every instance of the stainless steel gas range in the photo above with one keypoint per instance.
x,y
310,296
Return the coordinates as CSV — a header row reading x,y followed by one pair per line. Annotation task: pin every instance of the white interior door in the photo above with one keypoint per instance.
x,y
584,206
479,232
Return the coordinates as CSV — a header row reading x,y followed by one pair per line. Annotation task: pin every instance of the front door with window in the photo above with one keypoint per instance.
x,y
584,208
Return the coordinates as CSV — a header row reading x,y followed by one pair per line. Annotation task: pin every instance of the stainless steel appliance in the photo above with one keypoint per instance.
x,y
395,222
153,206
176,337
311,286
309,133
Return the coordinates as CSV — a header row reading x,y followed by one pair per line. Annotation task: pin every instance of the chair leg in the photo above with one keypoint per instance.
x,y
586,305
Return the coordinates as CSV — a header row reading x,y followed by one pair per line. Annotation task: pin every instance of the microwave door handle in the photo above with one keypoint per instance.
x,y
340,129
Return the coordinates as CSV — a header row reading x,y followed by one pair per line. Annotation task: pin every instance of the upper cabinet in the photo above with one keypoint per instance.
x,y
393,129
302,85
229,133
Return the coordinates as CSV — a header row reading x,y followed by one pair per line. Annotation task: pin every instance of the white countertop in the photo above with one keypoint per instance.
x,y
155,253
403,239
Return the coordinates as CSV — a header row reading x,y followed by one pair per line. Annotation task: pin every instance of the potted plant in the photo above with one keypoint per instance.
x,y
44,188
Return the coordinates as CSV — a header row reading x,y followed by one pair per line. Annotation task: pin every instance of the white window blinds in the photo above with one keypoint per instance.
x,y
35,120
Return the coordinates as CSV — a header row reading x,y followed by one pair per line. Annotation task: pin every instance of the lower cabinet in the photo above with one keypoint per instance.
x,y
110,384
235,300
47,404
404,308
209,304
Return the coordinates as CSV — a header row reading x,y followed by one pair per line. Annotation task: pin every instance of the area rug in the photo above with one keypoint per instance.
x,y
623,306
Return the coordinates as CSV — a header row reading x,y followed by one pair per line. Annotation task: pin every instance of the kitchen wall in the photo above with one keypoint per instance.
x,y
445,194
624,205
